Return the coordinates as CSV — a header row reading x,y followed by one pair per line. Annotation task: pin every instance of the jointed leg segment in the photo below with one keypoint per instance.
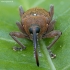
x,y
21,34
21,11
51,12
52,34
21,28
16,35
51,26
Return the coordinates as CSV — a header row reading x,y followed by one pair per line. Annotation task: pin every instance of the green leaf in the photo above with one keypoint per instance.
x,y
24,60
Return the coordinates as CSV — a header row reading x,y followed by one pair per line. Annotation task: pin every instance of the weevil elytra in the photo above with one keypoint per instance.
x,y
36,23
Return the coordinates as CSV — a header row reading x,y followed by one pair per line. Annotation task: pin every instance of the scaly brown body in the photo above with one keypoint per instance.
x,y
36,23
36,16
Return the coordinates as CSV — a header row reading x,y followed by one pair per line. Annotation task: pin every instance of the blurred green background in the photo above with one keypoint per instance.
x,y
24,60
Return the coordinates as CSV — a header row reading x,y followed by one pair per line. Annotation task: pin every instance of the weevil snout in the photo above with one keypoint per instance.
x,y
35,30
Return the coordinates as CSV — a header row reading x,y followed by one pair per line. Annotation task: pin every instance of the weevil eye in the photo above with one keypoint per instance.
x,y
31,31
37,29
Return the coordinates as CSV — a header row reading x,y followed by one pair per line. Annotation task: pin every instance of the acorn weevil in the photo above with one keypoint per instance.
x,y
36,23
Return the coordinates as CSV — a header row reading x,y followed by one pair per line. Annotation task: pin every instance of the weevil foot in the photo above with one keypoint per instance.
x,y
18,48
51,54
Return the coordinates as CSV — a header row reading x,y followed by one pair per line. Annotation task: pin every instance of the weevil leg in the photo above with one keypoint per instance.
x,y
21,28
51,12
51,26
16,35
21,11
52,34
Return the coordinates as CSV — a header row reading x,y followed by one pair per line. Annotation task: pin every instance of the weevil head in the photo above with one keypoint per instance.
x,y
38,23
35,27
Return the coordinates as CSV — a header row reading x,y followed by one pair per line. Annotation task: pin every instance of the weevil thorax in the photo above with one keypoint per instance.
x,y
34,18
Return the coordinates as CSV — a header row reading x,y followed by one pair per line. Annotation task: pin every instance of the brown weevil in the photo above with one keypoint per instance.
x,y
36,23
